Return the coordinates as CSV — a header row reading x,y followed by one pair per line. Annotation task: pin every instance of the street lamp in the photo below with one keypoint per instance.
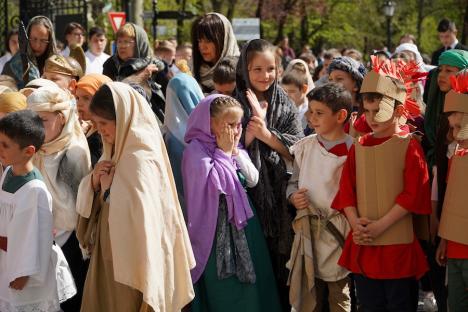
x,y
389,11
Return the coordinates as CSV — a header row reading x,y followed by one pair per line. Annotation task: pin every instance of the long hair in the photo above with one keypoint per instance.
x,y
211,28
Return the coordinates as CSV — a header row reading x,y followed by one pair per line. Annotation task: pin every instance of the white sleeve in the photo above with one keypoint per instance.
x,y
30,236
247,168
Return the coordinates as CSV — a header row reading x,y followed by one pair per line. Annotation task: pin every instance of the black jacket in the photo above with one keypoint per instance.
x,y
437,53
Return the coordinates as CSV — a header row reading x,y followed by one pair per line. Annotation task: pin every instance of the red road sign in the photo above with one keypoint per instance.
x,y
117,19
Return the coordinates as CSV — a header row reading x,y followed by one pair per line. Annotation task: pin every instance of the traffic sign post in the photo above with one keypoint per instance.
x,y
117,19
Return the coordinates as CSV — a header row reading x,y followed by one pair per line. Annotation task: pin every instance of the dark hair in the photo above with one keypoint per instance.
x,y
223,103
331,54
296,77
334,96
24,127
10,34
225,72
371,96
96,31
317,71
102,103
446,25
258,46
72,26
308,57
211,28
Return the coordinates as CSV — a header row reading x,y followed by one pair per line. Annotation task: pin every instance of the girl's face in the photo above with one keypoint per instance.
x,y
207,50
443,79
231,117
345,79
125,47
106,128
83,100
53,124
262,71
38,39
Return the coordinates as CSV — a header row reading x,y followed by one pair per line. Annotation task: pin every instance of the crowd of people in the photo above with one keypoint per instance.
x,y
225,176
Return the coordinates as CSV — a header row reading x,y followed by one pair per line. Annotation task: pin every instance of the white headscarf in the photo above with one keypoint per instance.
x,y
310,82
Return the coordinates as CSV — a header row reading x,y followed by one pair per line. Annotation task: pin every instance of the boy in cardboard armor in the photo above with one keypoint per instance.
x,y
384,181
453,247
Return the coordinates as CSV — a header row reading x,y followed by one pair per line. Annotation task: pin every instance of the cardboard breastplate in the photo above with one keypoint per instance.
x,y
379,180
454,220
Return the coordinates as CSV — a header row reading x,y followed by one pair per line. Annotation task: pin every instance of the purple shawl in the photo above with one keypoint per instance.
x,y
208,172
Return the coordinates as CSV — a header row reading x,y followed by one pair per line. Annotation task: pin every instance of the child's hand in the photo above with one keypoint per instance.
x,y
258,128
102,167
361,232
19,283
106,179
258,109
373,229
237,137
299,199
226,140
441,253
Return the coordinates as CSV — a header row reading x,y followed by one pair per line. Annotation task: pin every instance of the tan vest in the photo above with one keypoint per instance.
x,y
454,220
379,180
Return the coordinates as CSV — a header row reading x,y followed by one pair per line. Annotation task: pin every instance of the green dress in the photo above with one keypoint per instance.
x,y
213,294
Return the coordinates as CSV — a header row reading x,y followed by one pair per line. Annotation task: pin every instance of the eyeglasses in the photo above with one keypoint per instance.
x,y
125,43
78,34
40,41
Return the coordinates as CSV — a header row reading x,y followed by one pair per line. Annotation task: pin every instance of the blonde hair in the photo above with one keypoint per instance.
x,y
222,104
126,30
12,102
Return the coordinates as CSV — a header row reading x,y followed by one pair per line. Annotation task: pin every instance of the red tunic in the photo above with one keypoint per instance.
x,y
391,261
457,250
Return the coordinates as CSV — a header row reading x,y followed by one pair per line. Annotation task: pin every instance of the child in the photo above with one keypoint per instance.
x,y
28,276
95,55
63,161
59,70
312,194
270,129
297,82
224,76
453,248
384,180
85,89
233,270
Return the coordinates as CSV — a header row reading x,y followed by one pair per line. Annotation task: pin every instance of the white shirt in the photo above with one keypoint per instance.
x,y
4,59
94,63
454,44
66,52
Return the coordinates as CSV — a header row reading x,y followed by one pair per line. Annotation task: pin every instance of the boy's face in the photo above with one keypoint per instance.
x,y
83,99
295,94
63,81
321,118
53,124
371,108
443,79
225,88
447,38
345,79
97,44
11,153
455,120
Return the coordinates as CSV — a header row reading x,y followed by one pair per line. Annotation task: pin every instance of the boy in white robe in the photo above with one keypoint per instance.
x,y
318,162
28,259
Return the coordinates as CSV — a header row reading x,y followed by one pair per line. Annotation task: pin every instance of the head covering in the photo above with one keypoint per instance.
x,y
151,250
454,57
92,82
217,175
59,64
412,48
65,160
12,102
268,196
36,84
456,100
290,67
395,81
230,48
349,65
4,89
77,53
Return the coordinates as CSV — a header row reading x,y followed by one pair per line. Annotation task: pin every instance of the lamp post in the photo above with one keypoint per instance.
x,y
389,11
155,19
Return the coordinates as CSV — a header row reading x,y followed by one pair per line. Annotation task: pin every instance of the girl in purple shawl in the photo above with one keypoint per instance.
x,y
233,270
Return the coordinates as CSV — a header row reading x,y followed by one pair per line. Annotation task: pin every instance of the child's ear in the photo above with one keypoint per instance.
x,y
399,111
72,86
30,150
304,88
342,114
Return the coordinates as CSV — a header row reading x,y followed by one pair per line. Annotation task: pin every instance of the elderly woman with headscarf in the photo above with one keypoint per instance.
x,y
85,89
212,40
130,218
134,63
40,47
63,161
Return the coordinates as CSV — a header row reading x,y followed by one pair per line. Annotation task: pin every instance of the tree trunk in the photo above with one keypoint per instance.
x,y
465,27
280,33
419,21
231,8
180,23
136,12
258,14
216,4
304,26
